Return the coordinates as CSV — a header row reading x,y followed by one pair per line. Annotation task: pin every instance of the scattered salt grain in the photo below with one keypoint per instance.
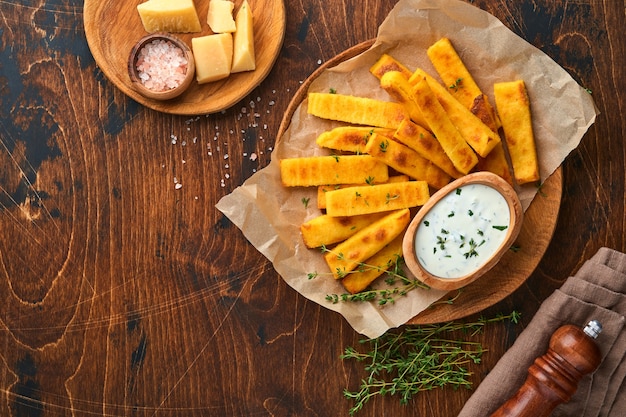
x,y
161,65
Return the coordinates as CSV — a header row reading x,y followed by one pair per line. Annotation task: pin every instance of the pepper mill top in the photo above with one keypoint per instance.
x,y
577,347
593,329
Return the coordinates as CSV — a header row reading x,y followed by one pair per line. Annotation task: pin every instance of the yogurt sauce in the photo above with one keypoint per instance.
x,y
461,232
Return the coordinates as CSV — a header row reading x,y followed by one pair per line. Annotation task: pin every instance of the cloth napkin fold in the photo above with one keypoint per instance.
x,y
596,292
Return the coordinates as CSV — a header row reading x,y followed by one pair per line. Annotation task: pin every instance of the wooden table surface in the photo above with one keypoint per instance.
x,y
121,294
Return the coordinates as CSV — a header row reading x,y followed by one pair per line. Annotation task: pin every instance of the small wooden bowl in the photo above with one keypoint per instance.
x,y
512,231
136,82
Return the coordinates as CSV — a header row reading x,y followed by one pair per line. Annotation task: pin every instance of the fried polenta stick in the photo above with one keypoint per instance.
x,y
399,88
476,133
376,198
455,146
325,230
406,160
349,138
387,63
356,110
514,110
320,170
323,189
352,252
458,79
497,163
424,143
372,268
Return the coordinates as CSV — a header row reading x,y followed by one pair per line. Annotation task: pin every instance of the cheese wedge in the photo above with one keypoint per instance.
x,y
169,16
243,53
220,16
213,55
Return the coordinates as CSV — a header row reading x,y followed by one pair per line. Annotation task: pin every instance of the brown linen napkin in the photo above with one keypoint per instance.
x,y
596,292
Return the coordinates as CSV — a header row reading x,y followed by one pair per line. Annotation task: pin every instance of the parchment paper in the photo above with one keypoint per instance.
x,y
270,215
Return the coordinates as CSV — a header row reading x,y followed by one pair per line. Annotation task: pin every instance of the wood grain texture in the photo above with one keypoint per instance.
x,y
123,294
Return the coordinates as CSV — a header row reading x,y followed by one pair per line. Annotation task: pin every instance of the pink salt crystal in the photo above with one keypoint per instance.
x,y
161,65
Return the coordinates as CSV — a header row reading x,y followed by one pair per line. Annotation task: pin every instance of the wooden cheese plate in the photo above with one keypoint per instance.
x,y
514,267
113,27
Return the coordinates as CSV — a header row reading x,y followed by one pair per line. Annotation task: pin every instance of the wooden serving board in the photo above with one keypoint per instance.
x,y
513,269
113,27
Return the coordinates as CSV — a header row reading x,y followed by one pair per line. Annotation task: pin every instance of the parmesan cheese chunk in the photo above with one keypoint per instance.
x,y
220,16
243,53
169,16
213,55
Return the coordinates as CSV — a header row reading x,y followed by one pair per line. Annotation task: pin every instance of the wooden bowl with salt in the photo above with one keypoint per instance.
x,y
462,231
161,66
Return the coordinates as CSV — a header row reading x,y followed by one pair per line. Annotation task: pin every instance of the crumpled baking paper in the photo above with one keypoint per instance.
x,y
270,215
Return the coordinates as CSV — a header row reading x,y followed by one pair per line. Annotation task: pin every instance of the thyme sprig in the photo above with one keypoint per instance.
x,y
398,284
418,359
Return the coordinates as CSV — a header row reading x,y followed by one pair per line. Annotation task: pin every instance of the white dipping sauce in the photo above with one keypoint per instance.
x,y
461,231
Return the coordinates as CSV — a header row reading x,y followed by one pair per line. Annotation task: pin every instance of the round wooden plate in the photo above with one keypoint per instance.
x,y
113,27
513,268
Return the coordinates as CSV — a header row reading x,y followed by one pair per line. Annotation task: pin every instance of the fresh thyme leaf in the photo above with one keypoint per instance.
x,y
390,197
398,285
472,251
415,359
456,85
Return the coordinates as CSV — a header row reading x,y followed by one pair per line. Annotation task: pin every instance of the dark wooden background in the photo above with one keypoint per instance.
x,y
121,295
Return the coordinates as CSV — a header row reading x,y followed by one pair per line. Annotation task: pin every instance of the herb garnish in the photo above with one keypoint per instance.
x,y
416,359
395,278
390,197
456,85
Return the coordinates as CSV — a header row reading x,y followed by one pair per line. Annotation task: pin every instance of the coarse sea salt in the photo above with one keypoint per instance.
x,y
161,65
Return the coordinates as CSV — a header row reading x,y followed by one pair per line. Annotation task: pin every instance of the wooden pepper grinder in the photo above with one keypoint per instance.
x,y
553,378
